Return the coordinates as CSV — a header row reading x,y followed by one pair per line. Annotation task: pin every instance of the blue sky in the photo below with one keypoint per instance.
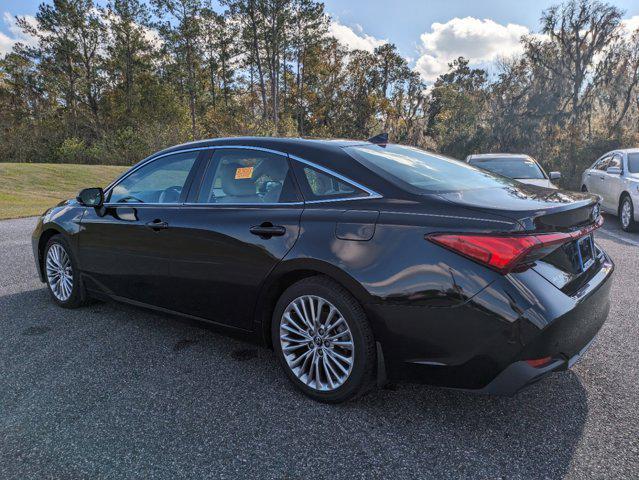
x,y
429,33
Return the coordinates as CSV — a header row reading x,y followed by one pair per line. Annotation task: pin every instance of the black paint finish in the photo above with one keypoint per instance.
x,y
439,317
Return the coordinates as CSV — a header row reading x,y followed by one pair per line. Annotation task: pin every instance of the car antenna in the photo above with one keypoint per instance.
x,y
381,139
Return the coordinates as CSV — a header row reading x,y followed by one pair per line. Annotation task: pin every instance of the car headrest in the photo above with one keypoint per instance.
x,y
232,185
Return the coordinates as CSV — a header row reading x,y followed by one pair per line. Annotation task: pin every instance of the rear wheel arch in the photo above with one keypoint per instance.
x,y
290,273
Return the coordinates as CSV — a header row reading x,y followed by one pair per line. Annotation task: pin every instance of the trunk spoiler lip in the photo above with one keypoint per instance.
x,y
573,234
526,218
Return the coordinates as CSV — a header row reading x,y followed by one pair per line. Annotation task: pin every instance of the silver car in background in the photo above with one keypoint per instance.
x,y
615,178
518,166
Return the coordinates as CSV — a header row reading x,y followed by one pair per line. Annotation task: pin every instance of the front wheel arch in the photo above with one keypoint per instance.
x,y
42,243
633,225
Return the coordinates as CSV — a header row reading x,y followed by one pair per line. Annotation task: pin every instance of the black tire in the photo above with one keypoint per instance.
x,y
78,296
631,226
361,378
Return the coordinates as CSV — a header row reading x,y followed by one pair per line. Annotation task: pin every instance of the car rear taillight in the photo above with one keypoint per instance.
x,y
539,362
507,253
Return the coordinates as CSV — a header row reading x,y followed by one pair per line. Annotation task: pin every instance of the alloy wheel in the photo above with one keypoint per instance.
x,y
626,212
317,343
59,272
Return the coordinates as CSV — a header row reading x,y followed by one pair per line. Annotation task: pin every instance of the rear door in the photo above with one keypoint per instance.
x,y
125,246
241,218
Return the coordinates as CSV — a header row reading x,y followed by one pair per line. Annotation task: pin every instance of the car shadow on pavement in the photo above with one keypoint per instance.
x,y
535,432
165,386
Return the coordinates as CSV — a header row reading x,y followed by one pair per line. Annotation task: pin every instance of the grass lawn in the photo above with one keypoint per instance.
x,y
28,189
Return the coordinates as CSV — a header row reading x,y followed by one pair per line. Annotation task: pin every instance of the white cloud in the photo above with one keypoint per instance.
x,y
630,25
151,35
16,34
354,40
478,40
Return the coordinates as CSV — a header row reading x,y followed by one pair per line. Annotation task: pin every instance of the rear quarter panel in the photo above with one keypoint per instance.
x,y
397,265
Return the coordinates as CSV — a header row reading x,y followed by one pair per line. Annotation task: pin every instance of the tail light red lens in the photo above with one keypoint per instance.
x,y
539,362
507,253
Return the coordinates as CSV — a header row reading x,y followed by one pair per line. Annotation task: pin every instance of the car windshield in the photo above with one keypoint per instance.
x,y
513,167
633,162
424,172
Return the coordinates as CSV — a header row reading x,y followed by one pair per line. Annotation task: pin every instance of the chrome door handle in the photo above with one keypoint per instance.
x,y
157,225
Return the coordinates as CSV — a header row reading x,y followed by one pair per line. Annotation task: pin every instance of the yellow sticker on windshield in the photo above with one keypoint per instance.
x,y
243,173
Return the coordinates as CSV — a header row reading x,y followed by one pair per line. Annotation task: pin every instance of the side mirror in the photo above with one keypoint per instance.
x,y
91,197
613,170
555,175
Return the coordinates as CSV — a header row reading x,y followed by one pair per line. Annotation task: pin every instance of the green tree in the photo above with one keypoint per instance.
x,y
179,25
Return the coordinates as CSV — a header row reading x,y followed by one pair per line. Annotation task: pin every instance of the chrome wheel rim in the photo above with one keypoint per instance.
x,y
59,272
317,343
625,213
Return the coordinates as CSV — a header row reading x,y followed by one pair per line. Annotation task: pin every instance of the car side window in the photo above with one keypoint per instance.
x,y
603,163
160,181
615,161
247,176
319,185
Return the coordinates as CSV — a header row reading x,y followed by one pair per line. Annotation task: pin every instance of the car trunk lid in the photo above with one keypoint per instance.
x,y
536,209
544,213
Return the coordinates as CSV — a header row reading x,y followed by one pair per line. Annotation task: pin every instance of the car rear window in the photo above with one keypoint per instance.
x,y
513,167
424,172
633,162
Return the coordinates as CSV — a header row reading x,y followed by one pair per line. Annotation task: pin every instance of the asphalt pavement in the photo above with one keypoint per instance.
x,y
112,391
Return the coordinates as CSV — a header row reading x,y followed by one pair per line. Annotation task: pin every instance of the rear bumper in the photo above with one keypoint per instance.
x,y
520,374
483,345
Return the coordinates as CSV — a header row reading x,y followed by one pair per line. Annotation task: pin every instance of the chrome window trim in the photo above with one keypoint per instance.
x,y
267,204
193,204
328,171
371,194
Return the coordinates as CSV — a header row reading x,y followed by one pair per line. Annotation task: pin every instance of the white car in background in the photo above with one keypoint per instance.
x,y
518,166
615,178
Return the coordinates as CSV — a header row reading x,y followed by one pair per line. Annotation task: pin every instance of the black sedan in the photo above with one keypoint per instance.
x,y
357,262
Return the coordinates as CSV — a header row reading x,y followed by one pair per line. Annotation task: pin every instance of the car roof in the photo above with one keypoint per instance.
x,y
283,144
623,150
326,152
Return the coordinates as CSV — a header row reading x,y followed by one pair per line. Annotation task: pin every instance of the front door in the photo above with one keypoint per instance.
x,y
124,248
611,187
234,229
597,174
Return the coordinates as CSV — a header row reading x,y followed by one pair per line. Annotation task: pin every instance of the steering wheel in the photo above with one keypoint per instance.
x,y
176,189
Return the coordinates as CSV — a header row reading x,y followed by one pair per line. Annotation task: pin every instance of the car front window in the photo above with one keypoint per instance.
x,y
424,172
160,181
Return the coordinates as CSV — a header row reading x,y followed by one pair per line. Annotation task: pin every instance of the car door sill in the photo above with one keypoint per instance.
x,y
136,303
